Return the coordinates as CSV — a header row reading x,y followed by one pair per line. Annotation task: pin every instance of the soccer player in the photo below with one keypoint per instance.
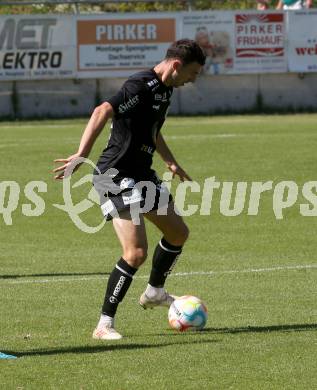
x,y
138,112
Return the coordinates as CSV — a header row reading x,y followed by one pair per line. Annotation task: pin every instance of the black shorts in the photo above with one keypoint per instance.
x,y
136,195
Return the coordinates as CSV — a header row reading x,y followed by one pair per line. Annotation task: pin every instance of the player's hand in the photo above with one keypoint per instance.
x,y
66,163
177,170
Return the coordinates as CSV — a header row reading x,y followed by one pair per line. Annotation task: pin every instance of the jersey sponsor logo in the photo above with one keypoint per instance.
x,y
133,198
132,102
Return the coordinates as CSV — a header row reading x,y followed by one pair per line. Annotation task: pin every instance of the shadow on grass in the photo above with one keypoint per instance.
x,y
54,274
251,329
117,347
264,329
103,348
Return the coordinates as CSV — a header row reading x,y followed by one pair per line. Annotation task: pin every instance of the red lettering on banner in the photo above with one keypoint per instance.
x,y
266,40
259,29
260,35
302,51
275,18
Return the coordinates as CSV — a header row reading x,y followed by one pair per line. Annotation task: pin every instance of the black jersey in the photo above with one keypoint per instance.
x,y
140,108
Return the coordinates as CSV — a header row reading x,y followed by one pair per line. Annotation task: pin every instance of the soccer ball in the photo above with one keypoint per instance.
x,y
187,312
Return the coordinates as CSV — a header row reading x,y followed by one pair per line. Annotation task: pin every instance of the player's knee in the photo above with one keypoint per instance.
x,y
136,256
184,234
179,236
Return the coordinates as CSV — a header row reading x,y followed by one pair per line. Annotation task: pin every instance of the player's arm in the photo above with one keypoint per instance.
x,y
94,127
167,156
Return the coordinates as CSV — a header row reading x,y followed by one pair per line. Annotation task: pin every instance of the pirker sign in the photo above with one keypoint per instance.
x,y
36,47
118,45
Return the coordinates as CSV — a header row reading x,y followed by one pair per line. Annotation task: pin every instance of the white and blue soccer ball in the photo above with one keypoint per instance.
x,y
187,313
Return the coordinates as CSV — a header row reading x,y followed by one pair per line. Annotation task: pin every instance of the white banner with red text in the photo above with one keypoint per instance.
x,y
302,41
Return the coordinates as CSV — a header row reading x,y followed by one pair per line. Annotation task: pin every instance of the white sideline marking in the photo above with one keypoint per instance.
x,y
203,136
57,92
196,137
177,274
38,125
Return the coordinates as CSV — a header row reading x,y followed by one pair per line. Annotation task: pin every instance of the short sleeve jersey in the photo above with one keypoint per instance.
x,y
140,109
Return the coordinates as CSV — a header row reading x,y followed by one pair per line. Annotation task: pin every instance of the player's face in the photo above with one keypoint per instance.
x,y
183,74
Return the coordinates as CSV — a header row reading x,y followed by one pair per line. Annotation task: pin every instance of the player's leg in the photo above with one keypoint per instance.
x,y
175,233
134,250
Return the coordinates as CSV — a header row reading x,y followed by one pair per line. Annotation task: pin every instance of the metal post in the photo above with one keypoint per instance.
x,y
190,5
76,8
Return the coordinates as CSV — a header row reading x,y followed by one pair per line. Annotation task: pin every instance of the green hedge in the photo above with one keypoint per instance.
x,y
128,7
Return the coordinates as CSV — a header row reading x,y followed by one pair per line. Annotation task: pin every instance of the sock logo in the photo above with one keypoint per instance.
x,y
171,267
119,286
113,299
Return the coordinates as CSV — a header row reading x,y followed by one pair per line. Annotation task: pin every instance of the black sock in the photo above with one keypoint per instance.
x,y
118,284
164,259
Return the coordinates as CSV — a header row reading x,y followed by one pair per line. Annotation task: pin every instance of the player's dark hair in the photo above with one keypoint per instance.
x,y
187,51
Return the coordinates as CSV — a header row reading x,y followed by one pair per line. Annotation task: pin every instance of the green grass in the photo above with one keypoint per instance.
x,y
261,332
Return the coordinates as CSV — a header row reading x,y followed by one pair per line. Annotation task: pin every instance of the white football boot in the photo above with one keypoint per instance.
x,y
106,332
163,299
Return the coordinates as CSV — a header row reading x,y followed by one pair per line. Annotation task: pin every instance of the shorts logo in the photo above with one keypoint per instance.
x,y
133,198
127,182
156,107
107,207
132,102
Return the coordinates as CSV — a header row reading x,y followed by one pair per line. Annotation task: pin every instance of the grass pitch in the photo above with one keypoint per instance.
x,y
256,274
